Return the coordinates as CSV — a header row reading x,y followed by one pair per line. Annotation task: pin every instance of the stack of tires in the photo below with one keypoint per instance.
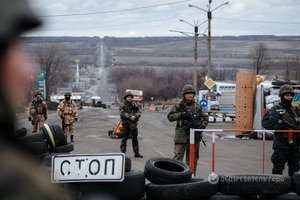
x,y
172,179
255,186
131,188
50,141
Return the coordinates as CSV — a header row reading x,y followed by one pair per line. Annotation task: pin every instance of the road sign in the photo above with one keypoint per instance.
x,y
91,167
40,83
209,83
203,103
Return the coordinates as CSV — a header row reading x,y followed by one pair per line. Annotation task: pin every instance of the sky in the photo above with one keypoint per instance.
x,y
140,18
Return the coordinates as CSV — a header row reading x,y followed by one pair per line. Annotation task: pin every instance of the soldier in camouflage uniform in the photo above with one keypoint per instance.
x,y
130,114
188,114
284,116
67,111
38,112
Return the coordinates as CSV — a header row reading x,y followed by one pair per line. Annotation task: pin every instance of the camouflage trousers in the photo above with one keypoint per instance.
x,y
282,156
184,148
37,122
68,129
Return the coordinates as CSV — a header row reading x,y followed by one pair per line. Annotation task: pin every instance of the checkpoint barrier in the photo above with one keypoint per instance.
x,y
264,131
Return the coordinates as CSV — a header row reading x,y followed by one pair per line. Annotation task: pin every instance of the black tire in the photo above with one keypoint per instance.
x,y
194,189
127,164
38,147
254,184
220,196
110,133
62,149
288,196
131,188
161,170
296,182
59,134
34,137
22,132
47,159
49,135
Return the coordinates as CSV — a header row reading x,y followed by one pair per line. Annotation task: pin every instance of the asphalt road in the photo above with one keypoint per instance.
x,y
232,155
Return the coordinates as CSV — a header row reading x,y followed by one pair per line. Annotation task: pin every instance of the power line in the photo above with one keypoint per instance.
x,y
112,11
259,21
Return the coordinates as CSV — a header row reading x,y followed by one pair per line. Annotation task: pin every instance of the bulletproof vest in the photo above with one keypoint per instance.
x,y
68,107
38,106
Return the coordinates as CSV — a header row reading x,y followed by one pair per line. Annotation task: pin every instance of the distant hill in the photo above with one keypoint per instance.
x,y
227,51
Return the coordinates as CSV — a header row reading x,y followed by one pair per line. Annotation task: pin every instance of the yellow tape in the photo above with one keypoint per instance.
x,y
50,134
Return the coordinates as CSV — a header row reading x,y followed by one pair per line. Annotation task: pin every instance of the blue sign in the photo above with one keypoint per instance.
x,y
203,103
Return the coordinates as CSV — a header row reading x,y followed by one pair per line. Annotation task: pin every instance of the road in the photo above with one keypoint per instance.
x,y
232,155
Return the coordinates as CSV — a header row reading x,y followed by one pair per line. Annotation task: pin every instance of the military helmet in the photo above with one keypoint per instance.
x,y
128,93
68,94
188,89
37,93
286,89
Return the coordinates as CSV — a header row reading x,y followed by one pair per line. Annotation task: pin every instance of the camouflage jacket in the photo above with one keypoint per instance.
x,y
68,110
126,110
279,118
38,107
201,119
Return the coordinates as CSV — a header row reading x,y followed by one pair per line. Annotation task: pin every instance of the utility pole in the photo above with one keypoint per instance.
x,y
77,72
209,18
195,57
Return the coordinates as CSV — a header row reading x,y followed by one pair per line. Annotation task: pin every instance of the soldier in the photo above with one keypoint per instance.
x,y
38,112
286,145
130,114
67,111
21,174
188,114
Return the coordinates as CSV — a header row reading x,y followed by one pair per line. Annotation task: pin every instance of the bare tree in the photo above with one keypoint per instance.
x,y
291,67
260,57
52,58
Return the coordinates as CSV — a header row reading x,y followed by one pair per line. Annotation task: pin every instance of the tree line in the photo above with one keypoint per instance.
x,y
160,83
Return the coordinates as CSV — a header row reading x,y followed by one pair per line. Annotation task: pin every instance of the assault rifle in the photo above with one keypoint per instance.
x,y
284,122
288,125
193,124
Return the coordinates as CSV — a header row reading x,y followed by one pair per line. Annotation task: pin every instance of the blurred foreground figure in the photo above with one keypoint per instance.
x,y
21,176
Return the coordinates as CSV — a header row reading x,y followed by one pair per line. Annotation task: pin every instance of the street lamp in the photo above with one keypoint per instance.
x,y
209,17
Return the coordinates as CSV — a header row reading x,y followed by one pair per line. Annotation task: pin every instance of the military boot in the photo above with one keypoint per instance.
x,y
138,155
123,149
72,138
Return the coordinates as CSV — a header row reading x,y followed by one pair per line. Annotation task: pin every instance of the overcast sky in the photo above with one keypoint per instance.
x,y
140,18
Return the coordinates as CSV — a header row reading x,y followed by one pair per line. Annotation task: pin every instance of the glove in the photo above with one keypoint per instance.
x,y
62,117
185,116
29,118
75,119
